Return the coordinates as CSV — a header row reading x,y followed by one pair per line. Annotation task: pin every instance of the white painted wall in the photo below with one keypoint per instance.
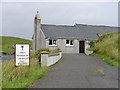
x,y
47,60
86,47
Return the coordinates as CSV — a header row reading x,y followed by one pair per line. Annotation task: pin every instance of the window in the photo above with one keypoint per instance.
x,y
52,42
69,42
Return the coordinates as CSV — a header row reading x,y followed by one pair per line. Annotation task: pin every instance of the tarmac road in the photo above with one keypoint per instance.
x,y
79,71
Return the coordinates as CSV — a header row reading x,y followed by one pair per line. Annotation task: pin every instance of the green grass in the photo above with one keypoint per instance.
x,y
21,77
100,70
106,47
9,42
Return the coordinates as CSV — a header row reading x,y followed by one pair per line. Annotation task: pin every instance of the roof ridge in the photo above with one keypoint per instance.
x,y
97,25
48,24
58,25
79,24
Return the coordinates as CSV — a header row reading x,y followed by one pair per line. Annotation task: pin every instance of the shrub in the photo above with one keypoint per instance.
x,y
92,43
57,50
38,52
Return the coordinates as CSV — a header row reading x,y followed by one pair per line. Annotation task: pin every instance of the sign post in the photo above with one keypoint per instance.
x,y
22,55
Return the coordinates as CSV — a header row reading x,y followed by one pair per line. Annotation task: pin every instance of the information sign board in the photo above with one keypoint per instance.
x,y
22,54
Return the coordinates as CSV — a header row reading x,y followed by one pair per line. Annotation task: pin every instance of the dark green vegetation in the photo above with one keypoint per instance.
x,y
9,42
106,47
50,52
22,76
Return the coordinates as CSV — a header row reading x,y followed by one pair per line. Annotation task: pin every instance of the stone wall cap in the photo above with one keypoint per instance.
x,y
44,52
55,54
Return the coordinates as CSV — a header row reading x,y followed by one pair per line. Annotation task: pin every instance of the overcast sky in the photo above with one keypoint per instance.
x,y
17,18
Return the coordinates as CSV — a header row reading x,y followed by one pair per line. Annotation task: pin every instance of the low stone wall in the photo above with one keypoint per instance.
x,y
48,60
86,47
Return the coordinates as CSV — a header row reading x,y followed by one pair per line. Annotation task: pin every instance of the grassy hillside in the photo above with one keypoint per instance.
x,y
9,42
106,47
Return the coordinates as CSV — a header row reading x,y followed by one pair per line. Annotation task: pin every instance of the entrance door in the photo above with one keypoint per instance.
x,y
81,46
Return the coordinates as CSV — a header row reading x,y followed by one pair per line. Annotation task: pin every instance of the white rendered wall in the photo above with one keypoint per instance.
x,y
86,47
47,60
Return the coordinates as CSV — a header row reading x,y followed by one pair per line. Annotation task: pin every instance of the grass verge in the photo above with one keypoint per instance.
x,y
21,77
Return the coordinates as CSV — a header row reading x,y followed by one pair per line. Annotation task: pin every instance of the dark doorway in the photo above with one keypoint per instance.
x,y
81,46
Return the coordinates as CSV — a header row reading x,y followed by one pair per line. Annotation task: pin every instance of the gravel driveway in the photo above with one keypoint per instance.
x,y
79,71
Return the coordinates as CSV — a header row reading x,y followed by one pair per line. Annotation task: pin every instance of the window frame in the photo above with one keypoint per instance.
x,y
69,42
53,43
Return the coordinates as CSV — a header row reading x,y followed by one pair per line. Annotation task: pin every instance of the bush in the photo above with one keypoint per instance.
x,y
38,52
41,50
92,43
57,50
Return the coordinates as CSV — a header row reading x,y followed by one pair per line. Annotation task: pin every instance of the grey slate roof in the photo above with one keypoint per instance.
x,y
90,31
78,31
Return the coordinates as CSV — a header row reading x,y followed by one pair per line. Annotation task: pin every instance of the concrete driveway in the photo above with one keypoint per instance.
x,y
79,71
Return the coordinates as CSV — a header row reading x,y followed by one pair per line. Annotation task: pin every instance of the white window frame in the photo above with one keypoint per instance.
x,y
69,44
53,44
